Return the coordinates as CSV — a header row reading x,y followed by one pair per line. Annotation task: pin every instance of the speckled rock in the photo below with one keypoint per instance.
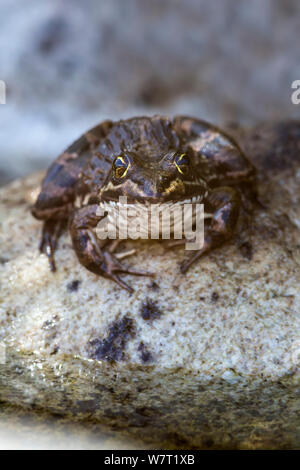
x,y
210,359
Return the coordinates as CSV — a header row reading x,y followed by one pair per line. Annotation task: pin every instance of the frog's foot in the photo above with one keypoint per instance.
x,y
111,267
100,261
125,254
208,245
52,230
173,243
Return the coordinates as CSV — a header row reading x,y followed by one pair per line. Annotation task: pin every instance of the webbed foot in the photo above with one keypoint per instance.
x,y
111,267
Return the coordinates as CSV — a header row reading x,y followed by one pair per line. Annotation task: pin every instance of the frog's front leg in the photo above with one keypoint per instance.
x,y
97,260
224,203
56,199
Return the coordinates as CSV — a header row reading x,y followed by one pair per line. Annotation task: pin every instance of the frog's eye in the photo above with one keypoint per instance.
x,y
182,163
121,166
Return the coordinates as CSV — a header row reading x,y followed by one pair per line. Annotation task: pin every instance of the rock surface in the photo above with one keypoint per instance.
x,y
206,360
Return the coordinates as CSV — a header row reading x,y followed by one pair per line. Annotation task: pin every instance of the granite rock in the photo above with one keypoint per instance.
x,y
206,360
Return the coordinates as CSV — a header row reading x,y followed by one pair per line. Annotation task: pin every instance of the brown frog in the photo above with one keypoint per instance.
x,y
148,160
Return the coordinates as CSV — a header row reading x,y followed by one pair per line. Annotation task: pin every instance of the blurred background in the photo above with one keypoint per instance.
x,y
68,64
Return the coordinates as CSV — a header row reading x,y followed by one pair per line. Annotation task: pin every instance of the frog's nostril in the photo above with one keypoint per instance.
x,y
162,186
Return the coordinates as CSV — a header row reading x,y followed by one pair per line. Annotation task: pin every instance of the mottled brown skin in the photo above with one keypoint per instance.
x,y
90,171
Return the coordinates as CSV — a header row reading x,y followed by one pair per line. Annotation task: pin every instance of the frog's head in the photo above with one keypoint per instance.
x,y
165,178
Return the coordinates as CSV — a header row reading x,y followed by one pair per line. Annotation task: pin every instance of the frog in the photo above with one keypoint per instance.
x,y
149,160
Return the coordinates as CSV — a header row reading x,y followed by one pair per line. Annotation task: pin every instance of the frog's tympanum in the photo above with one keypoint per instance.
x,y
148,160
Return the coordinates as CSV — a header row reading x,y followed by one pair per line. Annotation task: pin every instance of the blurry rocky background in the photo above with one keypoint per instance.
x,y
68,64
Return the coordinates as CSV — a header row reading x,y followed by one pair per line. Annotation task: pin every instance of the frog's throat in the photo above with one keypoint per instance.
x,y
161,218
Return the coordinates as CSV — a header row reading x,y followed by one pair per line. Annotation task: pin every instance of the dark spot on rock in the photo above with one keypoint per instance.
x,y
150,310
208,443
11,313
214,297
178,440
3,260
50,324
145,411
247,250
103,389
54,351
86,406
145,354
73,286
139,421
19,371
154,286
112,347
50,338
202,299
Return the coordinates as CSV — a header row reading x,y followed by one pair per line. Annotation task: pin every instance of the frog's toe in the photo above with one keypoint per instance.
x,y
187,263
119,255
51,232
125,254
113,267
173,243
121,283
47,249
184,267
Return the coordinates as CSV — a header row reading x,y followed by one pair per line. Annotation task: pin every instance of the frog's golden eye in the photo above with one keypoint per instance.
x,y
121,166
182,163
